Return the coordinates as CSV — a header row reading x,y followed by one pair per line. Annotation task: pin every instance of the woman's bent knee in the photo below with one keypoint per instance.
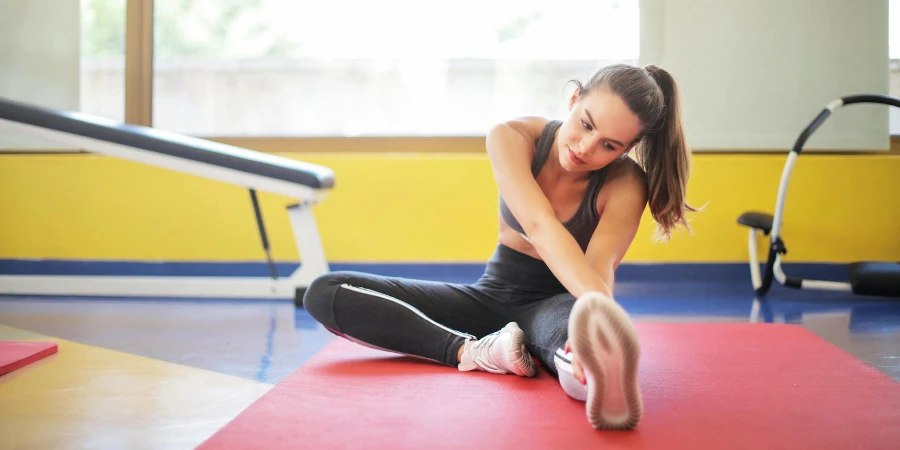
x,y
319,298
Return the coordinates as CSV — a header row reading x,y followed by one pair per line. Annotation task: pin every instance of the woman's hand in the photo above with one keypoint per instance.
x,y
577,370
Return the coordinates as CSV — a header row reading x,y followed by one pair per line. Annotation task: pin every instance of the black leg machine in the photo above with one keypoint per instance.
x,y
866,278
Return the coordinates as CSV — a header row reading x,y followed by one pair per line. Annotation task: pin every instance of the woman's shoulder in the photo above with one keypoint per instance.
x,y
627,168
529,126
625,176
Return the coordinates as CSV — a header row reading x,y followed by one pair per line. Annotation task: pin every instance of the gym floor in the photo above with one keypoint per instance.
x,y
170,373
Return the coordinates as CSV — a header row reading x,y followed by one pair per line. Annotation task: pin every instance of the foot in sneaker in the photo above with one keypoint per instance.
x,y
502,351
606,346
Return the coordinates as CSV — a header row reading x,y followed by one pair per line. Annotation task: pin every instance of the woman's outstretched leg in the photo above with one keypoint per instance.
x,y
602,342
441,322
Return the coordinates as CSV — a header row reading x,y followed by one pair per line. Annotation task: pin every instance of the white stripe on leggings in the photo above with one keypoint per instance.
x,y
405,305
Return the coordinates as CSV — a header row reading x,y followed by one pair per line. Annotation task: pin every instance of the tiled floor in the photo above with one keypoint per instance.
x,y
194,351
90,397
265,341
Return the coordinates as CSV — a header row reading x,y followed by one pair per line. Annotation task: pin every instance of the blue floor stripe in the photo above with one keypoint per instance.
x,y
452,272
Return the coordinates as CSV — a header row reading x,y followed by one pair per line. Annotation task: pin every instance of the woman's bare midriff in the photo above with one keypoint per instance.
x,y
512,239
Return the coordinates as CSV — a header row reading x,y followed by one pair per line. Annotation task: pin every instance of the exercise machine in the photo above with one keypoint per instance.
x,y
308,183
866,277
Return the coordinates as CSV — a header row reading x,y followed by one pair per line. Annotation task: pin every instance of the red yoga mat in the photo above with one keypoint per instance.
x,y
17,354
705,386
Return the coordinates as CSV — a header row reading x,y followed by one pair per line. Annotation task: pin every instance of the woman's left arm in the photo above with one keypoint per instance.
x,y
619,222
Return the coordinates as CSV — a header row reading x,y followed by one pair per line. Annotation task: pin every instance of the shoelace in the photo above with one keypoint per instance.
x,y
482,355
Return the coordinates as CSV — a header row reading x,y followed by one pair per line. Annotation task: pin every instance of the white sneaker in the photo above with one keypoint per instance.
x,y
606,344
502,351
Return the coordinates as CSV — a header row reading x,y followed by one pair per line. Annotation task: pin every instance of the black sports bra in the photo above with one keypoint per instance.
x,y
584,222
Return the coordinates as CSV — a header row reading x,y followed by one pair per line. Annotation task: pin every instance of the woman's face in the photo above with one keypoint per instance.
x,y
599,129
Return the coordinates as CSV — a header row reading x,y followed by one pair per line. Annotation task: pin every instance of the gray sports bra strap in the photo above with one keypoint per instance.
x,y
543,146
596,182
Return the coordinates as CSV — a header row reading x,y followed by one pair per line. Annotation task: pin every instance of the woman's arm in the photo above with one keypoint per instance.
x,y
510,147
626,199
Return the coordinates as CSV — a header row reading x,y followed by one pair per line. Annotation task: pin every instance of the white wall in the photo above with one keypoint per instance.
x,y
755,73
39,59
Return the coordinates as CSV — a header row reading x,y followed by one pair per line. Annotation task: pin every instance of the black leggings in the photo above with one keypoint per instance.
x,y
431,319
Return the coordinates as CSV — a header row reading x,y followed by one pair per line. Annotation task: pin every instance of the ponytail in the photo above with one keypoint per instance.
x,y
652,94
666,159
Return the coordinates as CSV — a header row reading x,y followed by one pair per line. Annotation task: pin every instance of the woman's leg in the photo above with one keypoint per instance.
x,y
427,319
545,323
604,342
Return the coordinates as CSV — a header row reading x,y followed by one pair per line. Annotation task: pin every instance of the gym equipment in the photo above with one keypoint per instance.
x,y
866,277
306,182
704,386
15,355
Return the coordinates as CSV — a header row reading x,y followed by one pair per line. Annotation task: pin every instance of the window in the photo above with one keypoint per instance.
x,y
393,67
102,81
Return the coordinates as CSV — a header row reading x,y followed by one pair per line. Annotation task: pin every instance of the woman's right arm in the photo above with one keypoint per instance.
x,y
510,147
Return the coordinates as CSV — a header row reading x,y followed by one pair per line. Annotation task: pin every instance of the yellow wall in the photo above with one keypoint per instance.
x,y
427,207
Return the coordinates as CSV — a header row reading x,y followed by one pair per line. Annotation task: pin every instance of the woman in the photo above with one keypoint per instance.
x,y
571,201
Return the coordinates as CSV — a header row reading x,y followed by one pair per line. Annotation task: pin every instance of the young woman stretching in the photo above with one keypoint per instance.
x,y
571,200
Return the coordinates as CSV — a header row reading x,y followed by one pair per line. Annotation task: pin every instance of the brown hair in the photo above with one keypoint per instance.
x,y
652,94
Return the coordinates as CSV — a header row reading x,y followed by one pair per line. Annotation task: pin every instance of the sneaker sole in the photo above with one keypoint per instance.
x,y
520,357
607,347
